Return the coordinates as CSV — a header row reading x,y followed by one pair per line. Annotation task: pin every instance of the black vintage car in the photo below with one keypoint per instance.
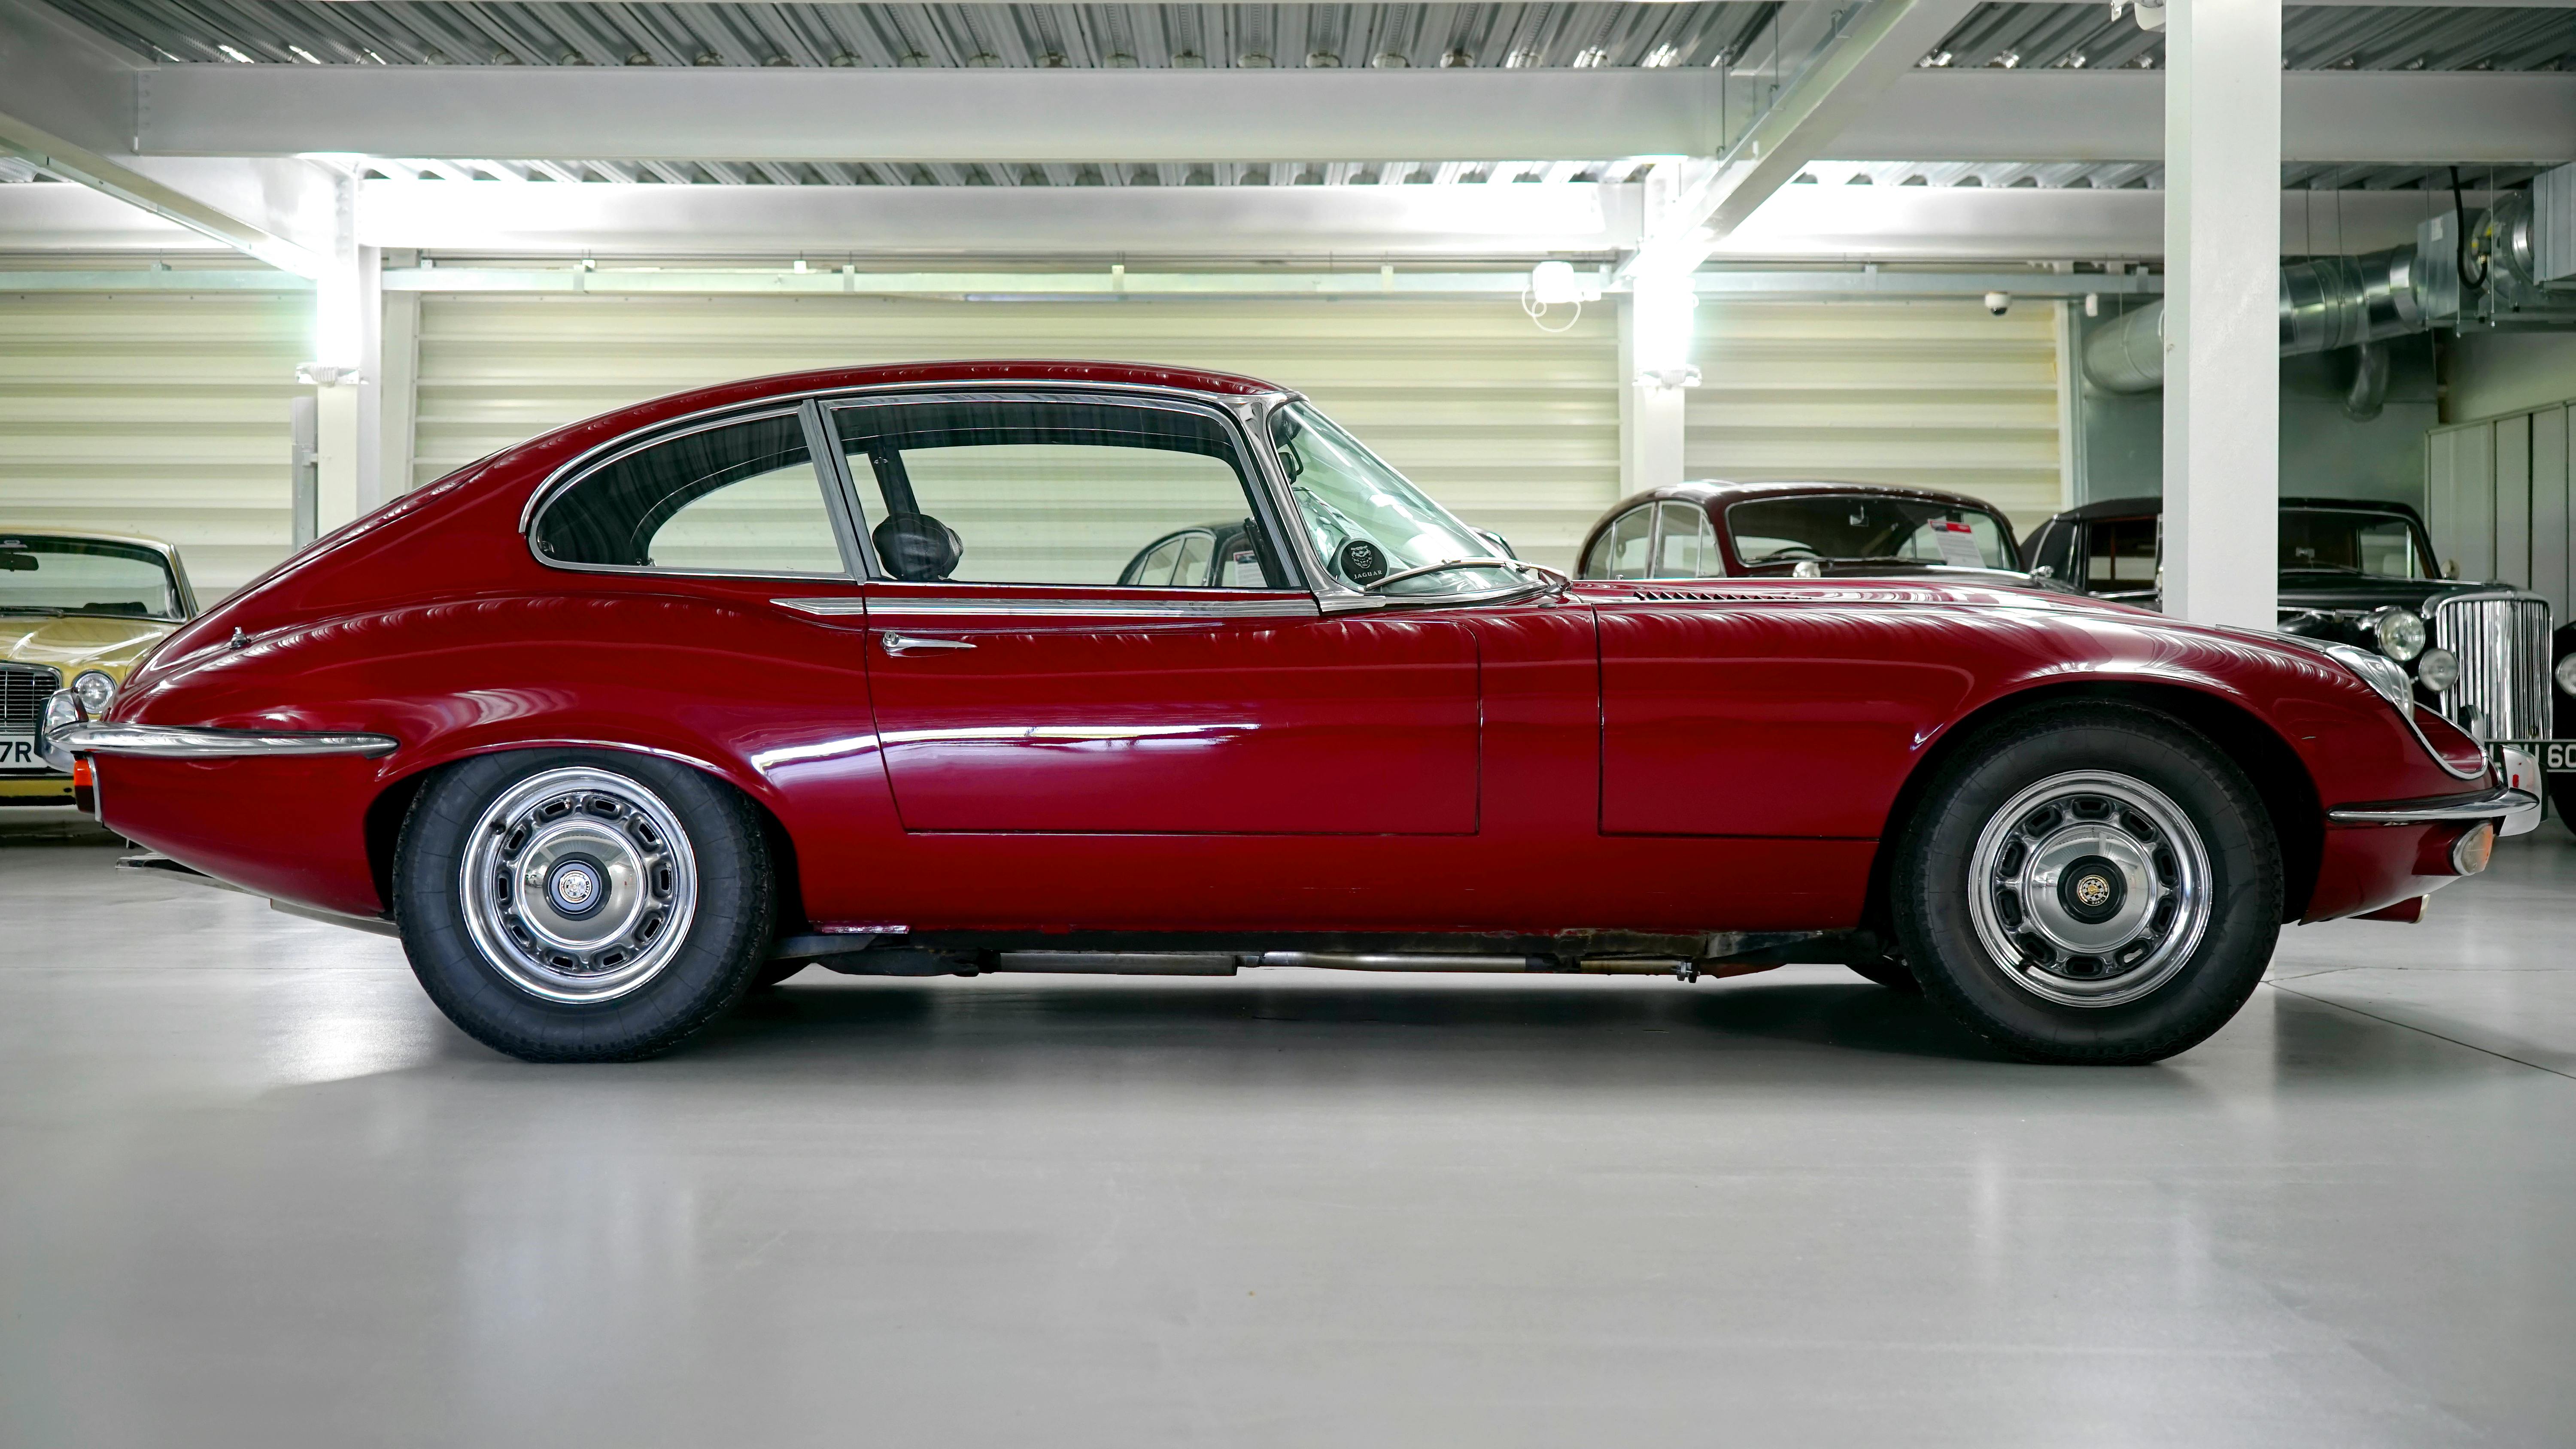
x,y
2361,572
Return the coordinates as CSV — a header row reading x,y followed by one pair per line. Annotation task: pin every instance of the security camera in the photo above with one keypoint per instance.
x,y
1999,302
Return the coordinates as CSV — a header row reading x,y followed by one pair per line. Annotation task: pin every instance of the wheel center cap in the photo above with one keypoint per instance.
x,y
2092,889
574,887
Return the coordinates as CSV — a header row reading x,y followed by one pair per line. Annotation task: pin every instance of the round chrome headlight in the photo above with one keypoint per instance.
x,y
95,690
2378,673
2439,669
2400,632
2567,674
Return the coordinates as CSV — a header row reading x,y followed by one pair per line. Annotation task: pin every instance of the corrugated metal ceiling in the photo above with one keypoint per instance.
x,y
1733,32
580,32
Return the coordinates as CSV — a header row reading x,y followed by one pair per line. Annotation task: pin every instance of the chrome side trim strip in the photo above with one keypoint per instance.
x,y
1059,608
185,743
2503,804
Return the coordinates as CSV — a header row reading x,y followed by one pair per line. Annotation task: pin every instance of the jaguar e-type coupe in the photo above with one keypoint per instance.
x,y
860,668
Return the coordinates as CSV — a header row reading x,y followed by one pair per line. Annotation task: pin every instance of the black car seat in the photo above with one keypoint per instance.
x,y
918,548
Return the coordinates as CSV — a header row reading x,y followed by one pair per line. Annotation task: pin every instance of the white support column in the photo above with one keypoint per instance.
x,y
2222,409
347,370
1650,417
397,381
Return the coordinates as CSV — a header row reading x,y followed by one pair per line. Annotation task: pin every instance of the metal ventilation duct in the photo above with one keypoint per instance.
x,y
2327,303
2518,266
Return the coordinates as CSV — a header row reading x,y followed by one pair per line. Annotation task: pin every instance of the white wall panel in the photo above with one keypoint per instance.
x,y
2552,527
1516,429
158,413
1929,394
2513,500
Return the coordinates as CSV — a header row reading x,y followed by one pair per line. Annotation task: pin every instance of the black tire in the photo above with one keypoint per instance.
x,y
2028,784
1889,972
2562,799
698,968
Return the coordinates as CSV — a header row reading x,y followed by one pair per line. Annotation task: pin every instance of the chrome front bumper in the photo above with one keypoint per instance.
x,y
2516,812
67,730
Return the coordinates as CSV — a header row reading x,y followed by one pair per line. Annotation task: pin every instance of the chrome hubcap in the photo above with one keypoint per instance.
x,y
579,885
2090,888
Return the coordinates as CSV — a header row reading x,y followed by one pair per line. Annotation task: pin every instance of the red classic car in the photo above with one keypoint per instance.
x,y
1711,528
628,720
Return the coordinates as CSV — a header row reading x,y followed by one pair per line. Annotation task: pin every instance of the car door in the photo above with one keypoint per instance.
x,y
1018,686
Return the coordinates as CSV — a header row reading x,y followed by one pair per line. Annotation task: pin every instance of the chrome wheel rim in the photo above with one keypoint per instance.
x,y
578,885
2090,889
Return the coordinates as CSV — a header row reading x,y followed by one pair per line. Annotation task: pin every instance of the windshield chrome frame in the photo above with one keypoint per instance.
x,y
1331,594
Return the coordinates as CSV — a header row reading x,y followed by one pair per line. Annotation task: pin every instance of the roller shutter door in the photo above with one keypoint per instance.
x,y
1929,394
154,413
1516,429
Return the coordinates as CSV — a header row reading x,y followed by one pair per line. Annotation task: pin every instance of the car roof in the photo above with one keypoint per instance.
x,y
2152,507
1723,490
136,539
977,370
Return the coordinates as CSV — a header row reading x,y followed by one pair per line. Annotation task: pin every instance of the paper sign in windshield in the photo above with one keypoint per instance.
x,y
1958,545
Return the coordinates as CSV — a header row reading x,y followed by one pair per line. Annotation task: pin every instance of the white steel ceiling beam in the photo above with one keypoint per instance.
x,y
1513,223
2396,118
656,219
769,114
664,114
66,107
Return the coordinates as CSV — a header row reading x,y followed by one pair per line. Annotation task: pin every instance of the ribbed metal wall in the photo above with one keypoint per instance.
x,y
163,414
1516,429
2498,495
1930,394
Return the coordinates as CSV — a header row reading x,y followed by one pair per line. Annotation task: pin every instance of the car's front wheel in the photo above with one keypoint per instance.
x,y
2089,883
566,905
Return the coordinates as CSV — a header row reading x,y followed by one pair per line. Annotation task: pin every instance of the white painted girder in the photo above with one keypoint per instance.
x,y
2393,117
926,115
1856,223
2398,118
66,105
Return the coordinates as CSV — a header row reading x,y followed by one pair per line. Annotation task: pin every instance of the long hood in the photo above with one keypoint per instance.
x,y
76,642
2005,592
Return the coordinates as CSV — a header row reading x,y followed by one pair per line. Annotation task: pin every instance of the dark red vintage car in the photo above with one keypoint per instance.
x,y
623,722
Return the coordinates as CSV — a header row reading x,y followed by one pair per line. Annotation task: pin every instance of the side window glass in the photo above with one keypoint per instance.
x,y
1686,547
738,498
2120,554
1038,492
1625,547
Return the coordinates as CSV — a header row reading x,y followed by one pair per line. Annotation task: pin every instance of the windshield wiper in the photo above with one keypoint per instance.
x,y
1555,580
2330,568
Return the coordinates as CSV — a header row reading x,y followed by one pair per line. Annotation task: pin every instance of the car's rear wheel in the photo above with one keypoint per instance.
x,y
567,905
2089,883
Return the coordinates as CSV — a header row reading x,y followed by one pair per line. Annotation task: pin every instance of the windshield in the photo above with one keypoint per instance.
x,y
2349,541
1366,522
85,576
1868,527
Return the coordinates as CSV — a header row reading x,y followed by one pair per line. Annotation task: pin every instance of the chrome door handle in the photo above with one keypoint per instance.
x,y
902,644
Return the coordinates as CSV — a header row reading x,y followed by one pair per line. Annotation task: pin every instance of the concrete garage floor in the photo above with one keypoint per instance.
x,y
254,1191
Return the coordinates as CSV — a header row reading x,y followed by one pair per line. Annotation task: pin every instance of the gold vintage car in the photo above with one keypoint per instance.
x,y
77,611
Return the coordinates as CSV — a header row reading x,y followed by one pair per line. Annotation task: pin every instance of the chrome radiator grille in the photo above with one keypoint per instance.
x,y
2503,644
23,688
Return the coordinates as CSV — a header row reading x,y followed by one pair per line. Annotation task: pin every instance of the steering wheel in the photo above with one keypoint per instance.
x,y
1788,551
